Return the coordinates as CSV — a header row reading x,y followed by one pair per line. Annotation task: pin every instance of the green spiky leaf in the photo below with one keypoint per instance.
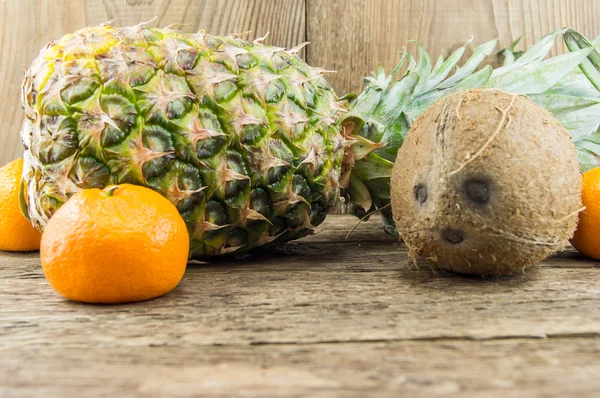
x,y
575,41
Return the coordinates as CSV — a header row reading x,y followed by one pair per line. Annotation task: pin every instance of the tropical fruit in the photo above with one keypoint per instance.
x,y
567,85
587,236
241,137
122,244
248,142
16,232
489,184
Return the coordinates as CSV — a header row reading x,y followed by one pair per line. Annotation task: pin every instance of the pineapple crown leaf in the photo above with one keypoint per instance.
x,y
443,68
537,77
515,43
579,114
509,53
403,57
576,41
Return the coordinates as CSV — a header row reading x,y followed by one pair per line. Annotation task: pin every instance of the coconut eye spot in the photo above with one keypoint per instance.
x,y
452,236
420,192
477,191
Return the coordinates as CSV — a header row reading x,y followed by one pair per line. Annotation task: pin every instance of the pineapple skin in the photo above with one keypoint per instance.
x,y
241,137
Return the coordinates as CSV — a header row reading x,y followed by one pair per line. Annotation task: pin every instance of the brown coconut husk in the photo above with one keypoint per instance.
x,y
486,183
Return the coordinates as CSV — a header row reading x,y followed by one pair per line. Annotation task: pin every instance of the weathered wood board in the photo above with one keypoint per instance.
x,y
322,316
363,34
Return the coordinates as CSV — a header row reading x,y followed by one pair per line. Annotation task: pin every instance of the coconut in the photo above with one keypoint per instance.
x,y
486,183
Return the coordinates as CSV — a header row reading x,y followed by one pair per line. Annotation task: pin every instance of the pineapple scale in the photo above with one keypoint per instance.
x,y
241,137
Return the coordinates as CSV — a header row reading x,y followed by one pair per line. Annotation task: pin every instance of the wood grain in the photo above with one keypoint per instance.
x,y
363,33
322,316
522,368
365,291
27,25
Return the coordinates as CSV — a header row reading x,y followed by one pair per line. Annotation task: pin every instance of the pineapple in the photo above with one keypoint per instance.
x,y
240,136
249,142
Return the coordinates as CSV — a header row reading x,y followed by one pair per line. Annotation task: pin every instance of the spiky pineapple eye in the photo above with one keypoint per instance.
x,y
110,136
260,201
237,237
79,90
225,91
187,58
276,174
60,143
88,173
253,133
215,213
119,109
209,146
176,109
246,61
300,186
278,227
157,167
274,92
296,214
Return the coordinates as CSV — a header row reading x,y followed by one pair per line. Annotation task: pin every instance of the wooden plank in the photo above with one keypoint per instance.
x,y
293,299
496,369
322,316
27,25
311,293
360,34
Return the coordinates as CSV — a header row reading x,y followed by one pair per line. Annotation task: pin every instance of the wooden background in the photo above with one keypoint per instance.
x,y
350,36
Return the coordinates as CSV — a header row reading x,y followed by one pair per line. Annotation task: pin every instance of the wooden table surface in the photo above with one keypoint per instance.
x,y
322,316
